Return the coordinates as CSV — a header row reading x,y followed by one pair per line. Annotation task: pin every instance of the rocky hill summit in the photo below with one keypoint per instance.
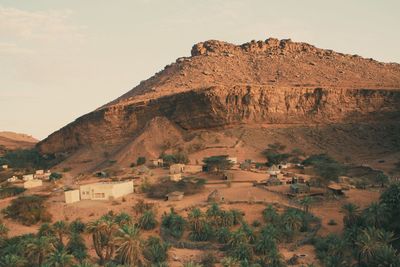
x,y
223,86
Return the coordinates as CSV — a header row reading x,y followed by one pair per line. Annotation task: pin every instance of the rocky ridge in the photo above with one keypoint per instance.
x,y
258,83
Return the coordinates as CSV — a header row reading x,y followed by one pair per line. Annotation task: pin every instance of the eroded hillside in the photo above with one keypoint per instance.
x,y
221,86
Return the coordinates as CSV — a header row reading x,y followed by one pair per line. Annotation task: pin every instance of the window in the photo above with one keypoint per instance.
x,y
99,195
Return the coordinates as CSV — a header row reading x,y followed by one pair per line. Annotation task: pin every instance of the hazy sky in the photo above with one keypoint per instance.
x,y
62,59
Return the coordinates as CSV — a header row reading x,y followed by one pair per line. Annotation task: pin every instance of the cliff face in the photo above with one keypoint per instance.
x,y
223,85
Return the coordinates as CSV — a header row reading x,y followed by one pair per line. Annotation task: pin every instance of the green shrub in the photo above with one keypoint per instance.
x,y
169,159
156,251
29,159
28,210
217,163
173,224
10,191
208,259
148,220
256,223
140,161
55,176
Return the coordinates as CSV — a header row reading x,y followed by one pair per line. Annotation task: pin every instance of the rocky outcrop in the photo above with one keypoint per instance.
x,y
264,82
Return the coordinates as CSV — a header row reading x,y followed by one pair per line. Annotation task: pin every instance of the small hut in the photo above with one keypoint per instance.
x,y
174,196
335,188
299,188
176,168
215,196
227,176
273,180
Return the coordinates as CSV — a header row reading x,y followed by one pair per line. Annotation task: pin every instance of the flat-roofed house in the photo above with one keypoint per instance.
x,y
43,175
106,190
175,196
176,168
193,168
28,177
72,196
4,167
156,162
32,183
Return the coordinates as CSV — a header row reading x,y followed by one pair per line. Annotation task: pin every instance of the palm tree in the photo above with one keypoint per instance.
x,y
38,248
229,262
385,256
60,258
376,214
264,243
270,215
3,231
95,228
103,233
147,221
129,245
306,203
12,260
123,218
77,226
86,264
46,229
60,229
370,240
351,214
213,214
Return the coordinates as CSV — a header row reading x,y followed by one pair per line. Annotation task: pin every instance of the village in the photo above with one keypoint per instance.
x,y
242,185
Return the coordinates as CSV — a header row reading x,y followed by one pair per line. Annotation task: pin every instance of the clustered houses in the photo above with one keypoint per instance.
x,y
99,191
31,180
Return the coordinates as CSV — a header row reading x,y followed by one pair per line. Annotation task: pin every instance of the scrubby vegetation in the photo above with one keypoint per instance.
x,y
10,191
170,159
326,167
187,185
217,163
29,159
28,210
274,154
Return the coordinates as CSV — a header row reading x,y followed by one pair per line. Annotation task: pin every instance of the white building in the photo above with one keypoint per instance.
x,y
43,175
106,190
4,167
176,168
33,183
72,196
28,177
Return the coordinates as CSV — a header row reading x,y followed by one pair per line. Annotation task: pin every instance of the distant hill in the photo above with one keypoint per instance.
x,y
11,141
237,99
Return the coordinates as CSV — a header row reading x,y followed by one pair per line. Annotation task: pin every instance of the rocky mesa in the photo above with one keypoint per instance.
x,y
222,85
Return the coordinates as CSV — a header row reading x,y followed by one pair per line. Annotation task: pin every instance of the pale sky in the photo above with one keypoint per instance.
x,y
61,59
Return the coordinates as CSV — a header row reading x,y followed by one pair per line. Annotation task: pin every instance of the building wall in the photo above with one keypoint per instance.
x,y
106,191
32,183
193,168
27,177
122,189
176,168
72,196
